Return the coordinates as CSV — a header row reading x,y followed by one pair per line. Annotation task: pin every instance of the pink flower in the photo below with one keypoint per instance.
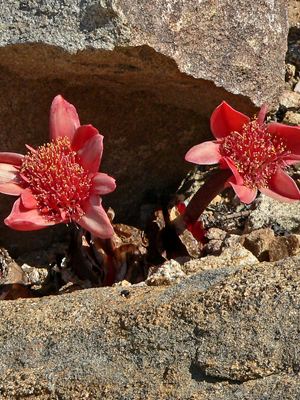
x,y
59,182
256,153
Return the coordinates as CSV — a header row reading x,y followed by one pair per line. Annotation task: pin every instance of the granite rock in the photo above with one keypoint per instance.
x,y
284,247
216,335
290,99
282,217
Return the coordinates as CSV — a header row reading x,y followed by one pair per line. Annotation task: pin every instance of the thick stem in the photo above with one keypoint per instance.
x,y
207,192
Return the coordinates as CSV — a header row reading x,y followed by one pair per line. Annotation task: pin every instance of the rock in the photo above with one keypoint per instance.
x,y
283,247
266,247
292,118
293,54
215,242
166,274
294,13
281,217
140,72
290,99
290,72
258,242
212,336
35,276
233,257
215,234
10,271
219,240
297,87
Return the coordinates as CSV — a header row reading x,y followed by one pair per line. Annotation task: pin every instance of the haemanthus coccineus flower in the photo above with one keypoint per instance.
x,y
59,182
256,153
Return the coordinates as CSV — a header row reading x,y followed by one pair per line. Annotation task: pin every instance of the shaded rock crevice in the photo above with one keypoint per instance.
x,y
149,113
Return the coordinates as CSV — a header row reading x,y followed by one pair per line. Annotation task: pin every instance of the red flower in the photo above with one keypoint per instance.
x,y
256,153
59,182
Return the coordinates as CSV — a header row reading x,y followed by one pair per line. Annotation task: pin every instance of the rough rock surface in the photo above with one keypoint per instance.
x,y
219,334
294,13
130,69
236,46
282,217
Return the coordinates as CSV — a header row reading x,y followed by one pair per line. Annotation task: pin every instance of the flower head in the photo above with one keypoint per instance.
x,y
59,182
256,153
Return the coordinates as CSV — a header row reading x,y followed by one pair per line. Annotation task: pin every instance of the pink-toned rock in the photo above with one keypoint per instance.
x,y
283,247
290,99
258,242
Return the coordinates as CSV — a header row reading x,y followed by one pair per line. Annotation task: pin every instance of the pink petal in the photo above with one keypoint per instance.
x,y
91,151
245,194
289,134
226,119
10,182
282,184
64,119
95,219
28,200
206,153
291,159
103,184
82,135
230,164
11,158
275,196
23,219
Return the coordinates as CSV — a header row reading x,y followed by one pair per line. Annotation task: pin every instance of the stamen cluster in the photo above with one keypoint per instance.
x,y
58,182
255,152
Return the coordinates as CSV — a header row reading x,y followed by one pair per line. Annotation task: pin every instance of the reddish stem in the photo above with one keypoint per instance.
x,y
214,185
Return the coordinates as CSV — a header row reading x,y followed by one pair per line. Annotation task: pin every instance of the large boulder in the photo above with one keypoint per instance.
x,y
147,73
227,333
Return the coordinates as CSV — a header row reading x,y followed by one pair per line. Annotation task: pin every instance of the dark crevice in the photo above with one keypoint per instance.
x,y
199,375
148,111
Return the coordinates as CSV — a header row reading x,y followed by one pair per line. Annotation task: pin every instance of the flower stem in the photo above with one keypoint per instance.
x,y
214,185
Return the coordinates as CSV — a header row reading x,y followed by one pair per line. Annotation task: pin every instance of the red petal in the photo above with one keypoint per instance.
x,y
103,184
181,207
238,179
206,153
282,184
82,135
22,219
275,196
11,158
289,134
291,159
10,180
28,200
91,151
226,119
197,230
246,195
95,219
64,119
